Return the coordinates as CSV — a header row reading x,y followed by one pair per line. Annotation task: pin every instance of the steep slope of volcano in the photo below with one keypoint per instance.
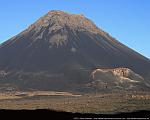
x,y
60,50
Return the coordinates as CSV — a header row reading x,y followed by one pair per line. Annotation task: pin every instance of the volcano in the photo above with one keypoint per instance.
x,y
60,51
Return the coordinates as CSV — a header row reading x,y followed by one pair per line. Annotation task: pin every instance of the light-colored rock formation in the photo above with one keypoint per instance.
x,y
118,77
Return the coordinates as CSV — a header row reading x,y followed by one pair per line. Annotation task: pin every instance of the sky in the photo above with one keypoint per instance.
x,y
126,20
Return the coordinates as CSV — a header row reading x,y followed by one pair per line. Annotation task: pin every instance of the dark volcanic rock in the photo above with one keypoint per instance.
x,y
60,50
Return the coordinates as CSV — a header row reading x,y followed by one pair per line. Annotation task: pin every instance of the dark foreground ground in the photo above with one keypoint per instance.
x,y
57,115
91,106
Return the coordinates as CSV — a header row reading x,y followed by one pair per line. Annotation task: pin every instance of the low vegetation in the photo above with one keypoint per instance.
x,y
88,103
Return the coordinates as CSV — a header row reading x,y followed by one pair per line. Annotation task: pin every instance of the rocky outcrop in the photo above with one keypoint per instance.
x,y
122,78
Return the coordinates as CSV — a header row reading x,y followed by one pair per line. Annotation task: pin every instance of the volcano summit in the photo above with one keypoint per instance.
x,y
60,51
